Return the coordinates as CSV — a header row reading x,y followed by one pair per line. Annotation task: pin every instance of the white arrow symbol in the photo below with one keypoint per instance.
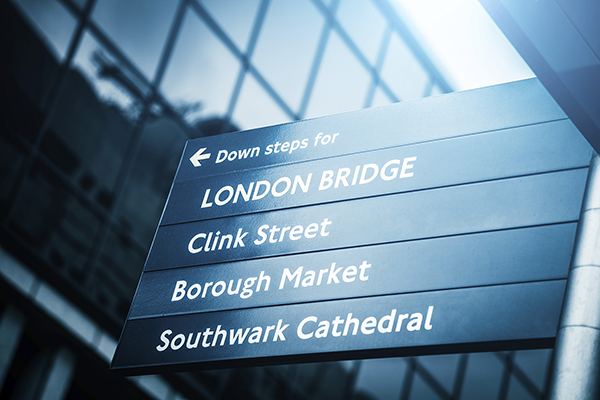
x,y
195,159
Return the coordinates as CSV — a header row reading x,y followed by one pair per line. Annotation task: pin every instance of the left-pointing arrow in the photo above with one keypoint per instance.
x,y
195,159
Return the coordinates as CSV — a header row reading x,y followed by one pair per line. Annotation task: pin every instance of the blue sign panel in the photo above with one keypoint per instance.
x,y
444,224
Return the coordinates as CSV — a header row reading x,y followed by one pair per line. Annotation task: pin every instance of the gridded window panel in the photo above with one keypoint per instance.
x,y
516,391
287,45
152,172
139,29
341,84
201,71
89,133
380,98
534,363
255,108
436,89
381,378
51,21
113,83
115,275
402,72
235,17
420,390
29,70
482,377
364,24
442,368
57,224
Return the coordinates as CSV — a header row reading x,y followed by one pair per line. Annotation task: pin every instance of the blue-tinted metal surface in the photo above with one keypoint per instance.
x,y
559,41
508,153
493,108
509,203
516,255
431,322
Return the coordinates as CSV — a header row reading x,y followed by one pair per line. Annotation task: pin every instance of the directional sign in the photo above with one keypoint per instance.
x,y
439,225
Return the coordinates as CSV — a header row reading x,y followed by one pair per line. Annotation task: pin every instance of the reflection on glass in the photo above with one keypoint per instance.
x,y
111,80
150,179
341,84
255,108
420,390
91,127
235,17
442,368
52,23
403,72
201,71
380,378
534,363
61,227
287,46
364,24
140,29
115,275
482,377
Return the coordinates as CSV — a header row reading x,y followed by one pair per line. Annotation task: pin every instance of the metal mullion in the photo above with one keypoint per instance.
x,y
383,48
258,23
317,60
117,53
216,28
459,377
272,92
388,12
362,59
237,52
431,381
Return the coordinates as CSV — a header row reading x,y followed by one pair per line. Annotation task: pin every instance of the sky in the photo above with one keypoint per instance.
x,y
465,41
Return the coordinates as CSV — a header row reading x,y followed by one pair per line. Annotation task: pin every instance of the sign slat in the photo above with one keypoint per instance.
x,y
375,326
518,202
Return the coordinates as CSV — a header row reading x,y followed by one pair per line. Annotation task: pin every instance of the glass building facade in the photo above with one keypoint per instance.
x,y
98,99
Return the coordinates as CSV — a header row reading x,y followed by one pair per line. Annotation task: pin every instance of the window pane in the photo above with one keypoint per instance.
x,y
420,390
12,156
365,25
29,69
342,82
380,378
402,71
91,127
58,225
139,29
235,17
202,71
482,378
380,98
255,108
535,365
116,274
286,47
51,21
442,368
152,172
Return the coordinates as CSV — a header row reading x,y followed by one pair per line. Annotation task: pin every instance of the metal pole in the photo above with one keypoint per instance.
x,y
575,372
